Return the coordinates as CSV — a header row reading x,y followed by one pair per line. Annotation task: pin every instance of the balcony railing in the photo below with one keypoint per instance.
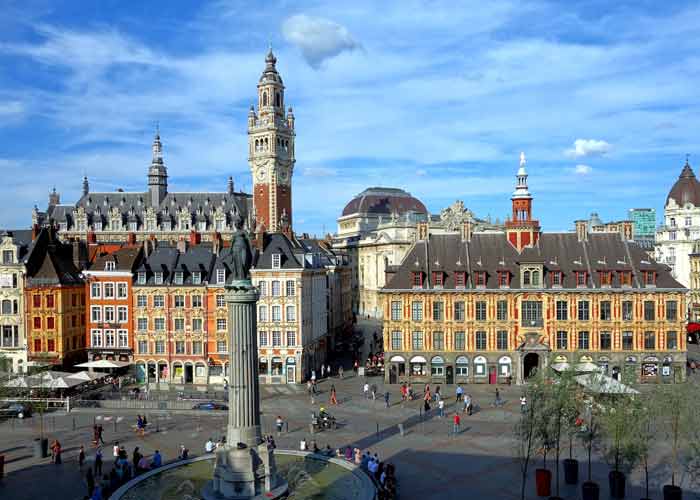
x,y
532,323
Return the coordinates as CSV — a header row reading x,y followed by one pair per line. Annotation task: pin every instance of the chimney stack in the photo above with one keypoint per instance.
x,y
216,243
581,230
181,245
131,239
467,230
195,238
79,254
422,231
35,231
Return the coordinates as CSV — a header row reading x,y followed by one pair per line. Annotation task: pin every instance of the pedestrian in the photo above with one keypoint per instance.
x,y
81,457
497,402
157,460
334,398
523,404
340,371
100,431
459,392
365,390
209,446
355,367
98,462
323,370
142,465
139,425
404,391
89,481
374,392
410,391
328,370
468,404
95,435
184,453
302,444
426,405
437,393
313,377
455,424
115,449
386,398
135,459
279,423
427,395
56,452
441,408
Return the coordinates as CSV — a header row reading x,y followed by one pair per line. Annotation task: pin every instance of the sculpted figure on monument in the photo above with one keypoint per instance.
x,y
241,255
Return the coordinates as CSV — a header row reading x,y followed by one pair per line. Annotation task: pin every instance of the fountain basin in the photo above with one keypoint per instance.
x,y
310,477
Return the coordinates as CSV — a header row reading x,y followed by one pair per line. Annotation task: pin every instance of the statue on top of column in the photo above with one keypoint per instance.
x,y
241,254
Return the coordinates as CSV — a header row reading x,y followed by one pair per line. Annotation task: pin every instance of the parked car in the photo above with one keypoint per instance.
x,y
211,405
15,410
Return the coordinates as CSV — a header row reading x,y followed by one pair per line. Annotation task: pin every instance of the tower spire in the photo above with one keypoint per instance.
x,y
157,173
86,186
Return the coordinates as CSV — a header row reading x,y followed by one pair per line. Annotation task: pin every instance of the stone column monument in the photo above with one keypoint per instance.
x,y
245,467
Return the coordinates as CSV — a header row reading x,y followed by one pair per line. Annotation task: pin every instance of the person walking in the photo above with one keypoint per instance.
x,y
56,452
98,462
209,446
100,432
313,377
455,424
115,450
340,372
374,392
279,423
497,401
81,457
459,393
437,393
468,404
365,390
441,408
323,370
386,398
328,370
523,404
404,392
135,459
355,367
333,398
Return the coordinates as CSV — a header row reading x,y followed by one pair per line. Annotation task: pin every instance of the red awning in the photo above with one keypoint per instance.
x,y
693,327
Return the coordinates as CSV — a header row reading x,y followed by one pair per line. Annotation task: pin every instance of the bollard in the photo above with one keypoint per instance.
x,y
401,429
311,428
377,427
286,427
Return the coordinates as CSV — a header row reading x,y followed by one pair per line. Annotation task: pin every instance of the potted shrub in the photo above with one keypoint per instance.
x,y
645,433
525,434
589,435
561,399
675,403
544,430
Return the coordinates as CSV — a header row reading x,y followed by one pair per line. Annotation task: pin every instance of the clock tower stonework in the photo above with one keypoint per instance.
x,y
271,151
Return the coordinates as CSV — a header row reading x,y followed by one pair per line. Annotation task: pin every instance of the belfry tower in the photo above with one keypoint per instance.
x,y
522,230
271,151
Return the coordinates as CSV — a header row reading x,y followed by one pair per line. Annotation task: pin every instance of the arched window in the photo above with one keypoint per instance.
x,y
264,103
526,278
535,278
278,100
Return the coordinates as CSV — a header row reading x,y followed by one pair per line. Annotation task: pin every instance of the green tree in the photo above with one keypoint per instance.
x,y
526,430
676,404
589,432
646,431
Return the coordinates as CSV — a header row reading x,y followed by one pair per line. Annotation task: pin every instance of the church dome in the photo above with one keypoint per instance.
x,y
384,201
686,189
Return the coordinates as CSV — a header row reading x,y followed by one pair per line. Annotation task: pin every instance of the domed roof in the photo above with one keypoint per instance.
x,y
384,201
686,189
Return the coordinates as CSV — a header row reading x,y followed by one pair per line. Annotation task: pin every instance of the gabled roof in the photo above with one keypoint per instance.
x,y
125,259
50,262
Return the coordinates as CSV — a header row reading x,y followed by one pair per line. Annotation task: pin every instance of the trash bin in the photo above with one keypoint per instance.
x,y
41,448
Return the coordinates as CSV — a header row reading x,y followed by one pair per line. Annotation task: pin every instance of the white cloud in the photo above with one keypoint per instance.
x,y
317,38
11,108
319,172
582,169
588,147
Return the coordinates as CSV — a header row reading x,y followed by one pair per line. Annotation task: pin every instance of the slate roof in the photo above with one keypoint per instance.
x,y
384,201
21,237
169,260
686,189
125,259
50,262
491,252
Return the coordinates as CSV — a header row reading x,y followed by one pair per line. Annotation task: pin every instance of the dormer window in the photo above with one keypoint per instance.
x,y
531,276
97,226
460,279
196,278
605,278
480,279
276,260
580,278
133,226
625,278
649,278
158,278
141,278
438,279
556,278
179,277
503,279
109,265
220,276
417,279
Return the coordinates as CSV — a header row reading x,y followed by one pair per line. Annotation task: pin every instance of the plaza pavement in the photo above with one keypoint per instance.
x,y
430,461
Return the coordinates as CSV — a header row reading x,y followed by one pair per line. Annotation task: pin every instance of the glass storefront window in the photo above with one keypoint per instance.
x,y
263,366
277,366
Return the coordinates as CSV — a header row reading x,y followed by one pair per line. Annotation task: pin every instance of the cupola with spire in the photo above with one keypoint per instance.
x,y
522,230
270,88
686,189
86,186
157,173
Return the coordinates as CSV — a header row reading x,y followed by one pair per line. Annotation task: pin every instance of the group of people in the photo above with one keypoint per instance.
x,y
383,473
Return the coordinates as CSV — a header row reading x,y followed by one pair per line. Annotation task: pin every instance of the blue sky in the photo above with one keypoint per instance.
x,y
438,98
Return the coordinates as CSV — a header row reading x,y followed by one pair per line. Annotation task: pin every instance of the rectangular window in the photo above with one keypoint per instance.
x,y
197,278
220,300
502,340
396,340
291,338
96,338
179,301
158,278
395,310
37,345
262,313
179,278
583,340
95,290
109,314
649,310
37,323
123,338
276,338
605,341
460,341
580,278
562,340
160,347
671,340
627,341
276,260
122,314
556,278
221,324
459,310
438,310
605,310
460,279
262,334
143,347
262,286
605,279
50,323
197,324
417,341
671,310
438,279
291,313
197,348
627,309
36,301
290,288
480,340
562,307
179,347
650,340
179,324
480,279
502,310
159,324
276,313
625,278
141,301
158,301
584,310
503,278
221,346
109,338
109,290
417,279
142,324
480,310
649,278
50,345
122,290
220,276
438,341
196,300
417,311
275,288
49,301
7,256
95,314
141,278
531,313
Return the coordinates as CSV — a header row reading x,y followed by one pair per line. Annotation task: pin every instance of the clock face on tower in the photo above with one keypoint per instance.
x,y
260,173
